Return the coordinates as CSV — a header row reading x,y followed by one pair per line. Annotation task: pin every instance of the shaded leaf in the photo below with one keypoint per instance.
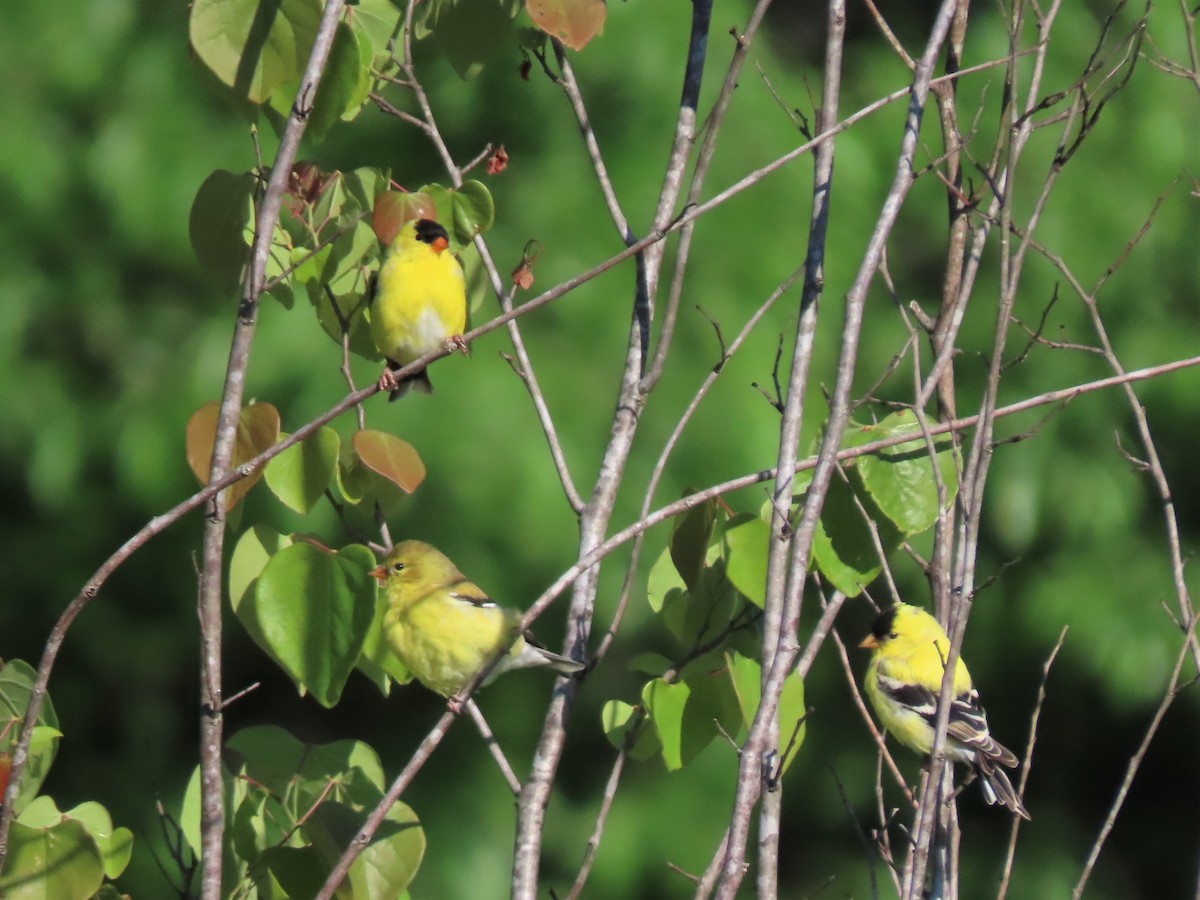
x,y
217,223
469,33
842,547
690,534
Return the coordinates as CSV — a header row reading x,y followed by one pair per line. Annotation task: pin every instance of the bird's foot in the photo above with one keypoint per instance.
x,y
456,342
455,704
388,381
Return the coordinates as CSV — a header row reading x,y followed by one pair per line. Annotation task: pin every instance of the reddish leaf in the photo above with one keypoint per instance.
x,y
394,208
390,457
497,162
574,22
258,429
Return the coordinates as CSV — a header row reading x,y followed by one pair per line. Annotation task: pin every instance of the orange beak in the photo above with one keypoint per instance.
x,y
439,244
379,573
870,642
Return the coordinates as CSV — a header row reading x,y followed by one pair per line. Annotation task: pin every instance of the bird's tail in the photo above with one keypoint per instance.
x,y
996,786
418,381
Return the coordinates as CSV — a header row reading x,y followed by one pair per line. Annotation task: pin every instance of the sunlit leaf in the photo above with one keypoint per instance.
x,y
311,610
465,212
300,474
901,479
16,685
253,550
59,861
251,46
388,456
665,704
626,727
257,430
746,548
574,22
746,677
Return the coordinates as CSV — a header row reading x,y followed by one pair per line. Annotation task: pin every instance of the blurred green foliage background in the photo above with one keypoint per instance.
x,y
111,336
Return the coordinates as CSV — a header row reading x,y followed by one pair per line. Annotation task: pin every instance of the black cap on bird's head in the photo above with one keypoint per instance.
x,y
881,629
432,233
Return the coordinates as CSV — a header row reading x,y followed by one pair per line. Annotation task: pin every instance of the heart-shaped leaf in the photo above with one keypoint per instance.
x,y
300,474
394,208
574,22
310,611
387,455
257,430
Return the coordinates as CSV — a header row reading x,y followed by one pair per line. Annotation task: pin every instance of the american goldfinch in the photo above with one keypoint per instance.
x,y
444,628
419,303
904,680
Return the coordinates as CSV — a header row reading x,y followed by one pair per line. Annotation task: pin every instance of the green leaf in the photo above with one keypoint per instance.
x,y
627,726
388,864
378,662
115,844
746,678
469,32
690,534
900,479
687,715
300,773
254,549
665,704
465,212
16,685
377,22
311,610
220,216
343,89
746,548
300,474
254,47
842,547
60,861
699,615
663,583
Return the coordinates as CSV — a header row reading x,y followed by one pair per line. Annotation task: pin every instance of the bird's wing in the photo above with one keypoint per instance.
x,y
912,696
469,592
968,724
968,721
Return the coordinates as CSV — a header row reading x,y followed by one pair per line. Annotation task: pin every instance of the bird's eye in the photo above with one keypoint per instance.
x,y
398,567
893,635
